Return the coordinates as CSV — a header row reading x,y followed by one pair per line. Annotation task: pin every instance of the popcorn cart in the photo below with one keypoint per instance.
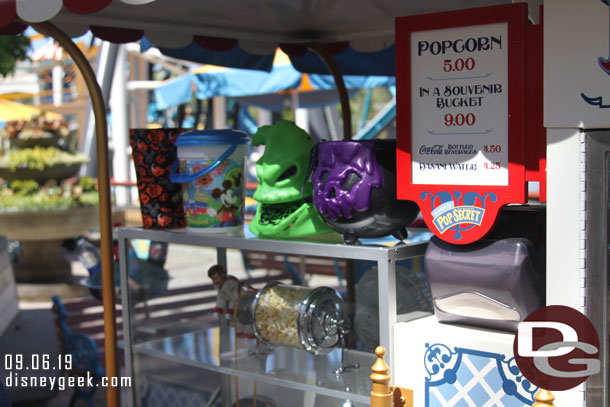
x,y
502,143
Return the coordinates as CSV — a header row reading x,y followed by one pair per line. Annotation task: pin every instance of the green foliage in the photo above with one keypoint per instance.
x,y
13,48
24,187
39,158
87,184
28,195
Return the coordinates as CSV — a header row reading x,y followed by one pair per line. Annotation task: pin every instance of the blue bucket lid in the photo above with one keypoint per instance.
x,y
211,137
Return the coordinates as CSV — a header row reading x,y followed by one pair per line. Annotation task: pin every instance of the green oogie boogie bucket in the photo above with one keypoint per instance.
x,y
211,167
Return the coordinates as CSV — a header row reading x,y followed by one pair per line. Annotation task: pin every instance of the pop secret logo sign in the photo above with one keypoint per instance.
x,y
461,116
454,215
447,215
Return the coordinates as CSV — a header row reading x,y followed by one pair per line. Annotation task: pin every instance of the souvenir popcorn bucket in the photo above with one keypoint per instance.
x,y
211,168
354,189
153,153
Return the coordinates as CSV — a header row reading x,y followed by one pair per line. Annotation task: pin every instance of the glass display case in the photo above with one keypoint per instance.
x,y
206,354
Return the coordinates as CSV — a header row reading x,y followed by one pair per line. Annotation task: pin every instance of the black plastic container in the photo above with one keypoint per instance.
x,y
354,185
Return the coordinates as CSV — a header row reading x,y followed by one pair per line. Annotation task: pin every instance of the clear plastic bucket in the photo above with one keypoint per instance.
x,y
211,167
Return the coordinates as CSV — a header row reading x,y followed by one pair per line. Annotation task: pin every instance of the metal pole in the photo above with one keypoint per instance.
x,y
219,112
134,391
97,101
386,280
301,114
105,72
58,84
120,127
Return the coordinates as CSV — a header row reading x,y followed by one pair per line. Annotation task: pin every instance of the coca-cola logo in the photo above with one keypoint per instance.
x,y
435,149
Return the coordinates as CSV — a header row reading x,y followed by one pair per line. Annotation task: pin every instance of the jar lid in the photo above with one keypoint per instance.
x,y
211,138
322,320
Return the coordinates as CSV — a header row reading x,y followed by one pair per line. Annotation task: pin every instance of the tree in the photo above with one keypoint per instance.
x,y
13,48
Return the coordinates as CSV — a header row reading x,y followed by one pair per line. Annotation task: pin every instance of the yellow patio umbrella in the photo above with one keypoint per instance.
x,y
10,110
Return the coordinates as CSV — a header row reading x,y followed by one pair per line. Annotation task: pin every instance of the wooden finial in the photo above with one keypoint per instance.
x,y
380,366
544,398
381,396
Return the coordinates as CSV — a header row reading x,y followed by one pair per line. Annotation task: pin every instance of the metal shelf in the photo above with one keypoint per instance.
x,y
304,247
385,257
287,367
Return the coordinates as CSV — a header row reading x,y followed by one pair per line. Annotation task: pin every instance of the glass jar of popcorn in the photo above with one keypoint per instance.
x,y
311,318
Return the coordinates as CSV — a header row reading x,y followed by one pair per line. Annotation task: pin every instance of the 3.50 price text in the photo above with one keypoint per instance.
x,y
492,148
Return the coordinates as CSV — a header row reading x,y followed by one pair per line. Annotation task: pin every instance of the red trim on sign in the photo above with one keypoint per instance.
x,y
117,35
542,138
13,28
8,12
86,7
215,43
533,99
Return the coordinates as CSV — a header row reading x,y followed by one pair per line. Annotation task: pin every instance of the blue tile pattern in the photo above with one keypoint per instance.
x,y
470,378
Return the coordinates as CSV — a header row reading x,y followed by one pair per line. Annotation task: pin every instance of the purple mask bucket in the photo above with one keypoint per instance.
x,y
354,189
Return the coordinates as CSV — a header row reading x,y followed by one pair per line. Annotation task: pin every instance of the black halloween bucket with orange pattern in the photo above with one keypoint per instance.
x,y
153,153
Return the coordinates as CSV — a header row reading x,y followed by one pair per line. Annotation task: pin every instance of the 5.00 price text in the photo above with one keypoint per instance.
x,y
458,65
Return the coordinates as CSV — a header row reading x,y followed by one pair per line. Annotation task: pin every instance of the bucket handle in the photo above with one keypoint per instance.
x,y
178,178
